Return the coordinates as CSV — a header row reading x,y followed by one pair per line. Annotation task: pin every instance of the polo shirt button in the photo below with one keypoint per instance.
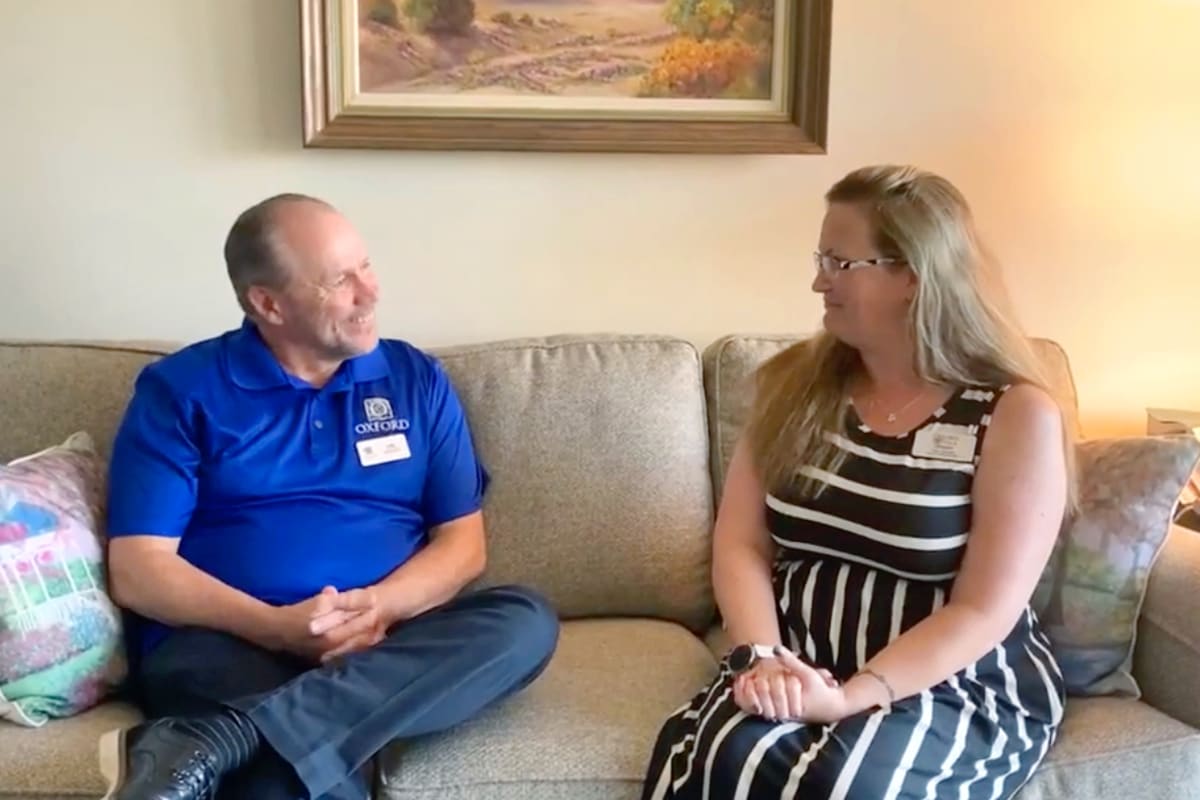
x,y
318,424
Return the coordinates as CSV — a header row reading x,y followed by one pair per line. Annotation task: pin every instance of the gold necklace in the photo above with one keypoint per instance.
x,y
894,415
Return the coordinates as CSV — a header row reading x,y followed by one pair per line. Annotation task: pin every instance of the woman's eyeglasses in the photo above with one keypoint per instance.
x,y
831,265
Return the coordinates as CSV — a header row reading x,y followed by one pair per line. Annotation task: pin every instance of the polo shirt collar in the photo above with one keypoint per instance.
x,y
252,365
370,366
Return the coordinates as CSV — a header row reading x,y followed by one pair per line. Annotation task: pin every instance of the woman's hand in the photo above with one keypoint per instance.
x,y
824,698
768,690
771,689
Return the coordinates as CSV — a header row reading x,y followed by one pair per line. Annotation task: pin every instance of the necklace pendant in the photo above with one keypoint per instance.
x,y
891,417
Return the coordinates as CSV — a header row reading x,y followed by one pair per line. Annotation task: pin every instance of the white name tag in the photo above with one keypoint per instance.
x,y
946,442
383,449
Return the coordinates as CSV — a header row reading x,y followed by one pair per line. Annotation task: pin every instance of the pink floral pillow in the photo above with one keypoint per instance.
x,y
61,648
1090,596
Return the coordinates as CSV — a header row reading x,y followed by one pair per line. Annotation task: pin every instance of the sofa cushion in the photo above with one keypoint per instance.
x,y
583,730
717,640
599,457
50,390
730,362
58,760
1118,747
1091,593
1168,638
61,650
575,430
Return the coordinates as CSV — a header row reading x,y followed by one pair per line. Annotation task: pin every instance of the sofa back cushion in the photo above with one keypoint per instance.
x,y
730,363
50,390
598,453
597,449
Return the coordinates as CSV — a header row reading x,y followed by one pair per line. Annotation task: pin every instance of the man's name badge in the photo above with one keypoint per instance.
x,y
383,449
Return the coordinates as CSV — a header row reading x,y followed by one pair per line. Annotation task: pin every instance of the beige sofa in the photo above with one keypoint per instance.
x,y
607,453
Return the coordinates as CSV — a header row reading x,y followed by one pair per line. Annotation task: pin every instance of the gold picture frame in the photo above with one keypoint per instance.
x,y
423,114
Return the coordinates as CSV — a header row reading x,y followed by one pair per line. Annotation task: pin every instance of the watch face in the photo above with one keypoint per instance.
x,y
741,657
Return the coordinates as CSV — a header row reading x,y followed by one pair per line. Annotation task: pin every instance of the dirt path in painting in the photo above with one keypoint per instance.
x,y
582,65
536,47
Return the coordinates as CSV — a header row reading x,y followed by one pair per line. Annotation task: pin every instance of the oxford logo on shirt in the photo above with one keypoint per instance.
x,y
377,408
380,417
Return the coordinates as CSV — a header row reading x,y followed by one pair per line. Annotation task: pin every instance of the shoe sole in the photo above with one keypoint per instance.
x,y
112,761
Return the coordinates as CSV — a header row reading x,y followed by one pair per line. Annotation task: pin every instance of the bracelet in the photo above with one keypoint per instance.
x,y
882,680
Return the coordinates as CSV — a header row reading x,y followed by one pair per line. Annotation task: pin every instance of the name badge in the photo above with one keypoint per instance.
x,y
945,442
383,449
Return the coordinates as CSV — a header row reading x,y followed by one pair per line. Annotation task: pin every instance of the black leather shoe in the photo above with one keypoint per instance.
x,y
159,760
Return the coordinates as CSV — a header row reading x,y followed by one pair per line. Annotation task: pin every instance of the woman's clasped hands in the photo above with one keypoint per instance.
x,y
786,689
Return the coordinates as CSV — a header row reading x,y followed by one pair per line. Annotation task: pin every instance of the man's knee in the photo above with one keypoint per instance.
x,y
195,670
528,623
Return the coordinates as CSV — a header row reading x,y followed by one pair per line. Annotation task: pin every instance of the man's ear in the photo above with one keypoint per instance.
x,y
265,304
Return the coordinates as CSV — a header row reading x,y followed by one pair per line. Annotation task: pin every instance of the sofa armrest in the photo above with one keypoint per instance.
x,y
1167,654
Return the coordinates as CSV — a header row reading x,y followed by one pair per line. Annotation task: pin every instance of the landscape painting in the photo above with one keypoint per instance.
x,y
616,55
646,76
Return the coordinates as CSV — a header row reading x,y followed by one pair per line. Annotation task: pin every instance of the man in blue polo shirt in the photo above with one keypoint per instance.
x,y
294,514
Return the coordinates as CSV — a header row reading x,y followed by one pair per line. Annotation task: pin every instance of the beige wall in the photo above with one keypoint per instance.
x,y
133,131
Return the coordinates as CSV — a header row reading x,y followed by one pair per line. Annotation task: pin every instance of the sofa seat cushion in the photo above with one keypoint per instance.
x,y
59,759
583,730
1118,747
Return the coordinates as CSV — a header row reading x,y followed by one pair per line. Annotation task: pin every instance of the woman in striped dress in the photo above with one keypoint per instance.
x,y
885,519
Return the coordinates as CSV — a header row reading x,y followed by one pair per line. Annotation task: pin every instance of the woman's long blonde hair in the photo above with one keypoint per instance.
x,y
963,334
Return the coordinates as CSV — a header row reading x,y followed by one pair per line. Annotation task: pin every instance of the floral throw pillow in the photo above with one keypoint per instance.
x,y
61,649
1090,596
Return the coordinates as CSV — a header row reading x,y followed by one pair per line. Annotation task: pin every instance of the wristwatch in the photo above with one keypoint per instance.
x,y
745,656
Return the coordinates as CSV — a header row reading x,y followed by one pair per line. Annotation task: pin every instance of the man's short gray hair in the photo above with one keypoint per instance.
x,y
251,254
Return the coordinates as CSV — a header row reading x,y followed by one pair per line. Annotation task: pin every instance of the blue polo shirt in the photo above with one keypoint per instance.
x,y
279,488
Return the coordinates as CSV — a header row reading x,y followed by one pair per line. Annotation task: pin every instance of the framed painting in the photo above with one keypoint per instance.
x,y
688,76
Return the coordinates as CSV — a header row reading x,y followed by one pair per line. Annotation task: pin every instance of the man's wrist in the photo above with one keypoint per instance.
x,y
260,626
390,600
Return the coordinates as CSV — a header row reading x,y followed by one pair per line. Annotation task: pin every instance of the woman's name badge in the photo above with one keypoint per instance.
x,y
945,442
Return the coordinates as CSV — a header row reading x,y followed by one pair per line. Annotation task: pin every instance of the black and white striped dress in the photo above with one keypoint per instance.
x,y
875,554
